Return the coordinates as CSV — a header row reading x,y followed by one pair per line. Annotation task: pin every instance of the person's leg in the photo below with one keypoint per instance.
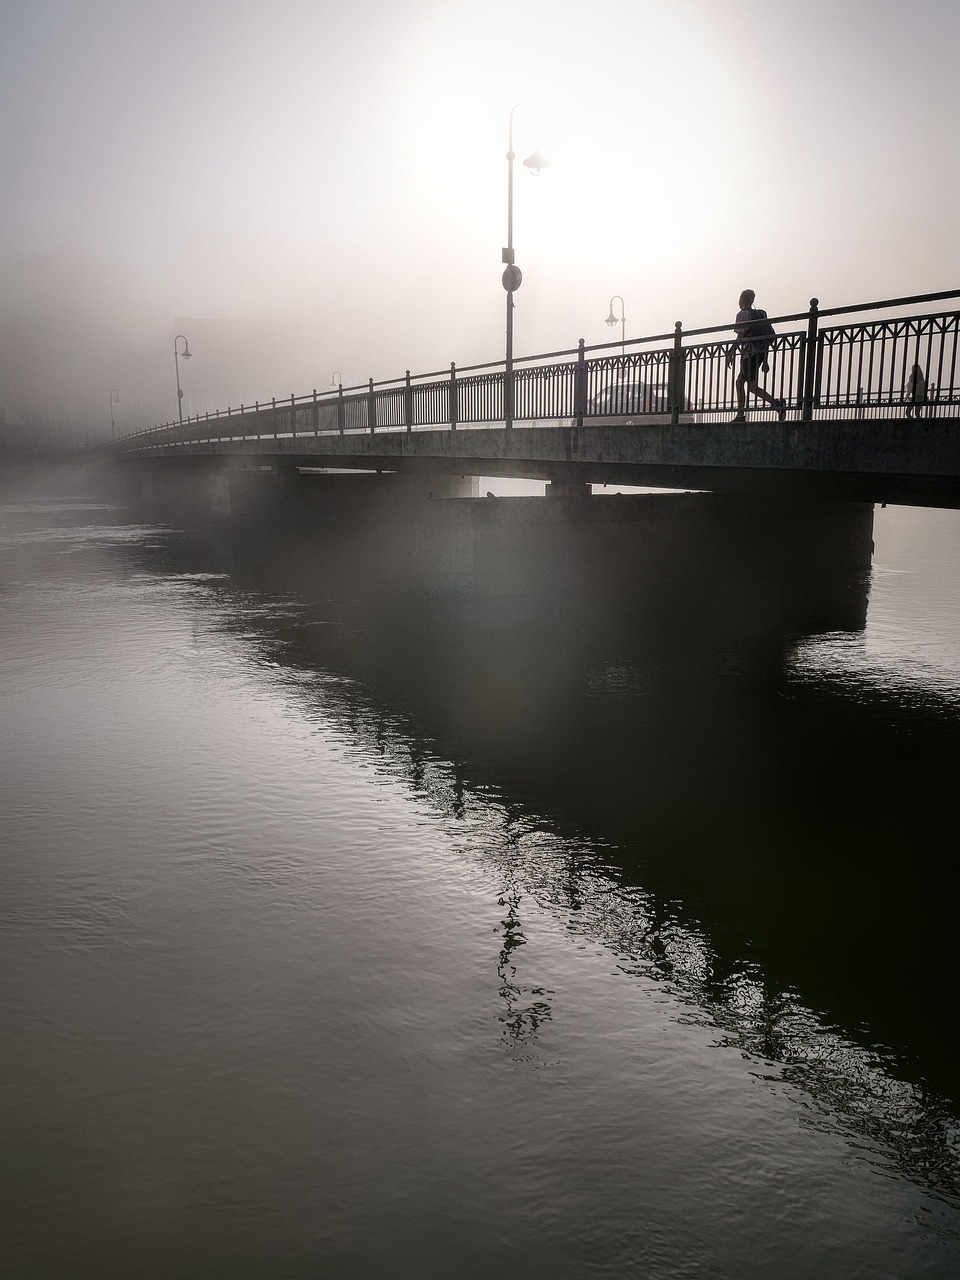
x,y
751,370
746,376
755,389
779,405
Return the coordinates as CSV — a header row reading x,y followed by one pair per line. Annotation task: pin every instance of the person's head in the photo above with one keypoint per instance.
x,y
746,299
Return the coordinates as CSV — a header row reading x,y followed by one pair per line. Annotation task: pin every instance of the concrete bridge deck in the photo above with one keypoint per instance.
x,y
912,461
869,396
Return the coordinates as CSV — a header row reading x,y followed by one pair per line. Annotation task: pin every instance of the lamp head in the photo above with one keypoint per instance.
x,y
611,318
186,352
535,162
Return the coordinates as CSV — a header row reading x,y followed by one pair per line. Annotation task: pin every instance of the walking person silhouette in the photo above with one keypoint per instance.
x,y
754,335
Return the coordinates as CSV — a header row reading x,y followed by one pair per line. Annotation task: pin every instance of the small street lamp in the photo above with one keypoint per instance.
x,y
337,379
183,355
611,320
114,399
511,275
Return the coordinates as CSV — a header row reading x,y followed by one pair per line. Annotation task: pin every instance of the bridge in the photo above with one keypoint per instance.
x,y
658,412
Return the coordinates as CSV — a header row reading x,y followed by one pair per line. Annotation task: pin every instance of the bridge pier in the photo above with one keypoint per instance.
x,y
700,558
347,533
173,489
721,561
568,489
197,489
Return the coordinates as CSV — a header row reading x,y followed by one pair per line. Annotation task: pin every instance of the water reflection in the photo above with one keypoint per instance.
x,y
748,829
525,1007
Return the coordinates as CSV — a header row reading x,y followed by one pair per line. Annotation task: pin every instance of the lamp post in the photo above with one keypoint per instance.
x,y
511,275
183,355
337,379
611,320
114,399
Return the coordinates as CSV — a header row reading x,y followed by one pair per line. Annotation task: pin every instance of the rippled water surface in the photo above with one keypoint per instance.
x,y
329,951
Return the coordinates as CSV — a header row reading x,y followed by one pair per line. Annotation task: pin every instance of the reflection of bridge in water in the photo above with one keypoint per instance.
x,y
728,827
658,414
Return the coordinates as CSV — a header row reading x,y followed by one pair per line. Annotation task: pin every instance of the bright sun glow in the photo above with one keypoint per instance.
x,y
341,167
632,147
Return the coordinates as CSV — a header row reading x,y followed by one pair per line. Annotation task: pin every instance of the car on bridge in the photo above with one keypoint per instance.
x,y
627,403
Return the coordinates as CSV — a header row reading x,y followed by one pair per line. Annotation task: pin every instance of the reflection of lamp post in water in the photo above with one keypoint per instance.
x,y
183,355
511,275
114,399
611,320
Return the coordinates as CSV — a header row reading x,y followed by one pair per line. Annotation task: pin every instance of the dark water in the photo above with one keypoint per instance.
x,y
349,944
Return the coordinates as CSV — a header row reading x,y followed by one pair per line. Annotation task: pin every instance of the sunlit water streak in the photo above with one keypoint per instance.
x,y
287,995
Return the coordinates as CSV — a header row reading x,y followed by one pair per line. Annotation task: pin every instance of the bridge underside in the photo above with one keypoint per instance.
x,y
912,462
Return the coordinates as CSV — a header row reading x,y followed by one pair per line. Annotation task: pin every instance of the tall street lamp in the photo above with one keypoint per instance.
x,y
114,399
183,355
611,320
511,275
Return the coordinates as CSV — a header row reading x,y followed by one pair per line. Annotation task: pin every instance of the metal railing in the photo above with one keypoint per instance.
x,y
861,368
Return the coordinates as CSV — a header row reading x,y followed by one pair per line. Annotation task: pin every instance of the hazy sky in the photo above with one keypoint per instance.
x,y
340,167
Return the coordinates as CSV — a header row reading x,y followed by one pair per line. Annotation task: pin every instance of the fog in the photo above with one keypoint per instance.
x,y
303,190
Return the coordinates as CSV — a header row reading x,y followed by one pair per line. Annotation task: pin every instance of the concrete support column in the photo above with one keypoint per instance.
x,y
568,489
697,556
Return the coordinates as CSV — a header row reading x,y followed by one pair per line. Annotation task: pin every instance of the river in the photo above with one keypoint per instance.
x,y
334,950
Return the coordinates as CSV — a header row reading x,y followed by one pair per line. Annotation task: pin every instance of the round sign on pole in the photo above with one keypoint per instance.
x,y
512,278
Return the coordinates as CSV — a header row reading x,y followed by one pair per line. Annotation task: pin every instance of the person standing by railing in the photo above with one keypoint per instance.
x,y
754,334
916,390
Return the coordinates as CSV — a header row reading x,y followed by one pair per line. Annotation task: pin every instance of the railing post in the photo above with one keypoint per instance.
x,y
316,414
810,391
675,375
341,416
580,384
371,409
293,417
454,407
273,402
407,403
